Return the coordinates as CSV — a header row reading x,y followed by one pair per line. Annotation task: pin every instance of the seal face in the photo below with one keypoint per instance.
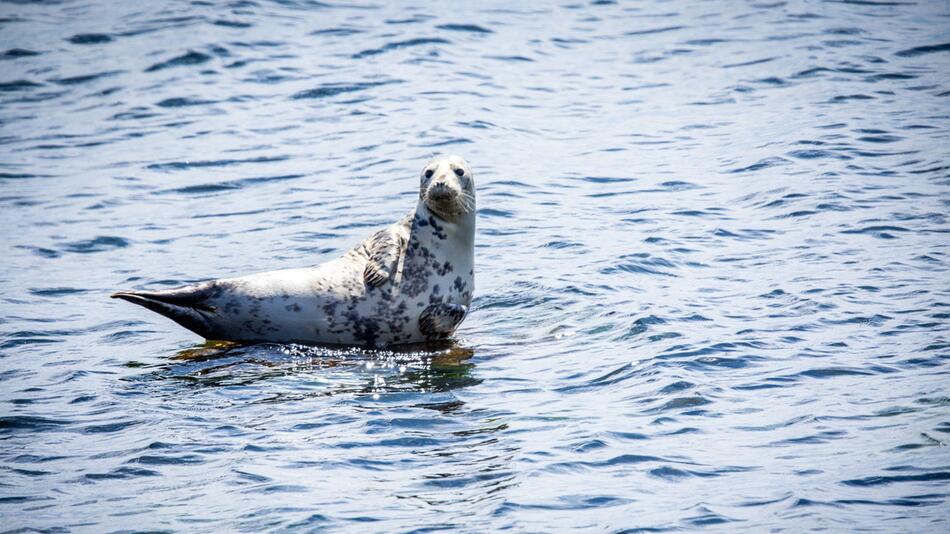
x,y
407,283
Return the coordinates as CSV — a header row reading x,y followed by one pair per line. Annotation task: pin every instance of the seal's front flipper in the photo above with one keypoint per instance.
x,y
383,249
439,320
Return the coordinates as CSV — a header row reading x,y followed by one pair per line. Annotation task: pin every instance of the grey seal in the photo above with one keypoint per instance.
x,y
410,282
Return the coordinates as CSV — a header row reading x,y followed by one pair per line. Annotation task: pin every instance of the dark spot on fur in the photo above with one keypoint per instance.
x,y
329,309
364,329
444,269
417,269
232,306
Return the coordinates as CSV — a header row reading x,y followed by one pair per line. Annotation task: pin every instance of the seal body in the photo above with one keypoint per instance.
x,y
408,283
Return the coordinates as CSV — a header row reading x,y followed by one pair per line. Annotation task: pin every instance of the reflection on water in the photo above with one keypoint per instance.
x,y
433,367
711,264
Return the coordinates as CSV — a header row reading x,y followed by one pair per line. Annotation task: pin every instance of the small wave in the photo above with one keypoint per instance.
x,y
398,45
511,58
188,59
620,374
56,291
892,479
845,98
761,164
817,154
20,176
342,32
16,53
258,44
642,263
884,138
232,23
108,428
640,326
96,244
90,38
40,251
122,473
926,49
652,31
26,423
571,502
229,185
623,459
489,212
168,459
446,142
831,372
180,102
890,76
749,63
677,185
477,124
470,28
774,81
706,42
673,474
813,439
680,403
18,85
23,499
878,231
75,80
333,89
184,165
558,244
607,179
708,518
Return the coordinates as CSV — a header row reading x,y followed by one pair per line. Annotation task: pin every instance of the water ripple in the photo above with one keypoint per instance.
x,y
188,59
711,263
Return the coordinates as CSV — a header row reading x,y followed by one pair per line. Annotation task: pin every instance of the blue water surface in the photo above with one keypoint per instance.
x,y
712,265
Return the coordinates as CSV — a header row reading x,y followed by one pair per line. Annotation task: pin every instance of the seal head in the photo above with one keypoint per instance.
x,y
447,187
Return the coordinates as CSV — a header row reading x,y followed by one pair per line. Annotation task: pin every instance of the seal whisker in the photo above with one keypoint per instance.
x,y
466,201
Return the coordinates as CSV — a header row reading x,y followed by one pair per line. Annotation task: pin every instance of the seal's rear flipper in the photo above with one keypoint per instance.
x,y
440,320
186,306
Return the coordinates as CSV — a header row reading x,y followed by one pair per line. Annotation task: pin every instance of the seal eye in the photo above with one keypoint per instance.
x,y
459,172
429,173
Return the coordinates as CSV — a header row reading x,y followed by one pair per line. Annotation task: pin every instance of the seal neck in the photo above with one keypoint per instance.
x,y
457,226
